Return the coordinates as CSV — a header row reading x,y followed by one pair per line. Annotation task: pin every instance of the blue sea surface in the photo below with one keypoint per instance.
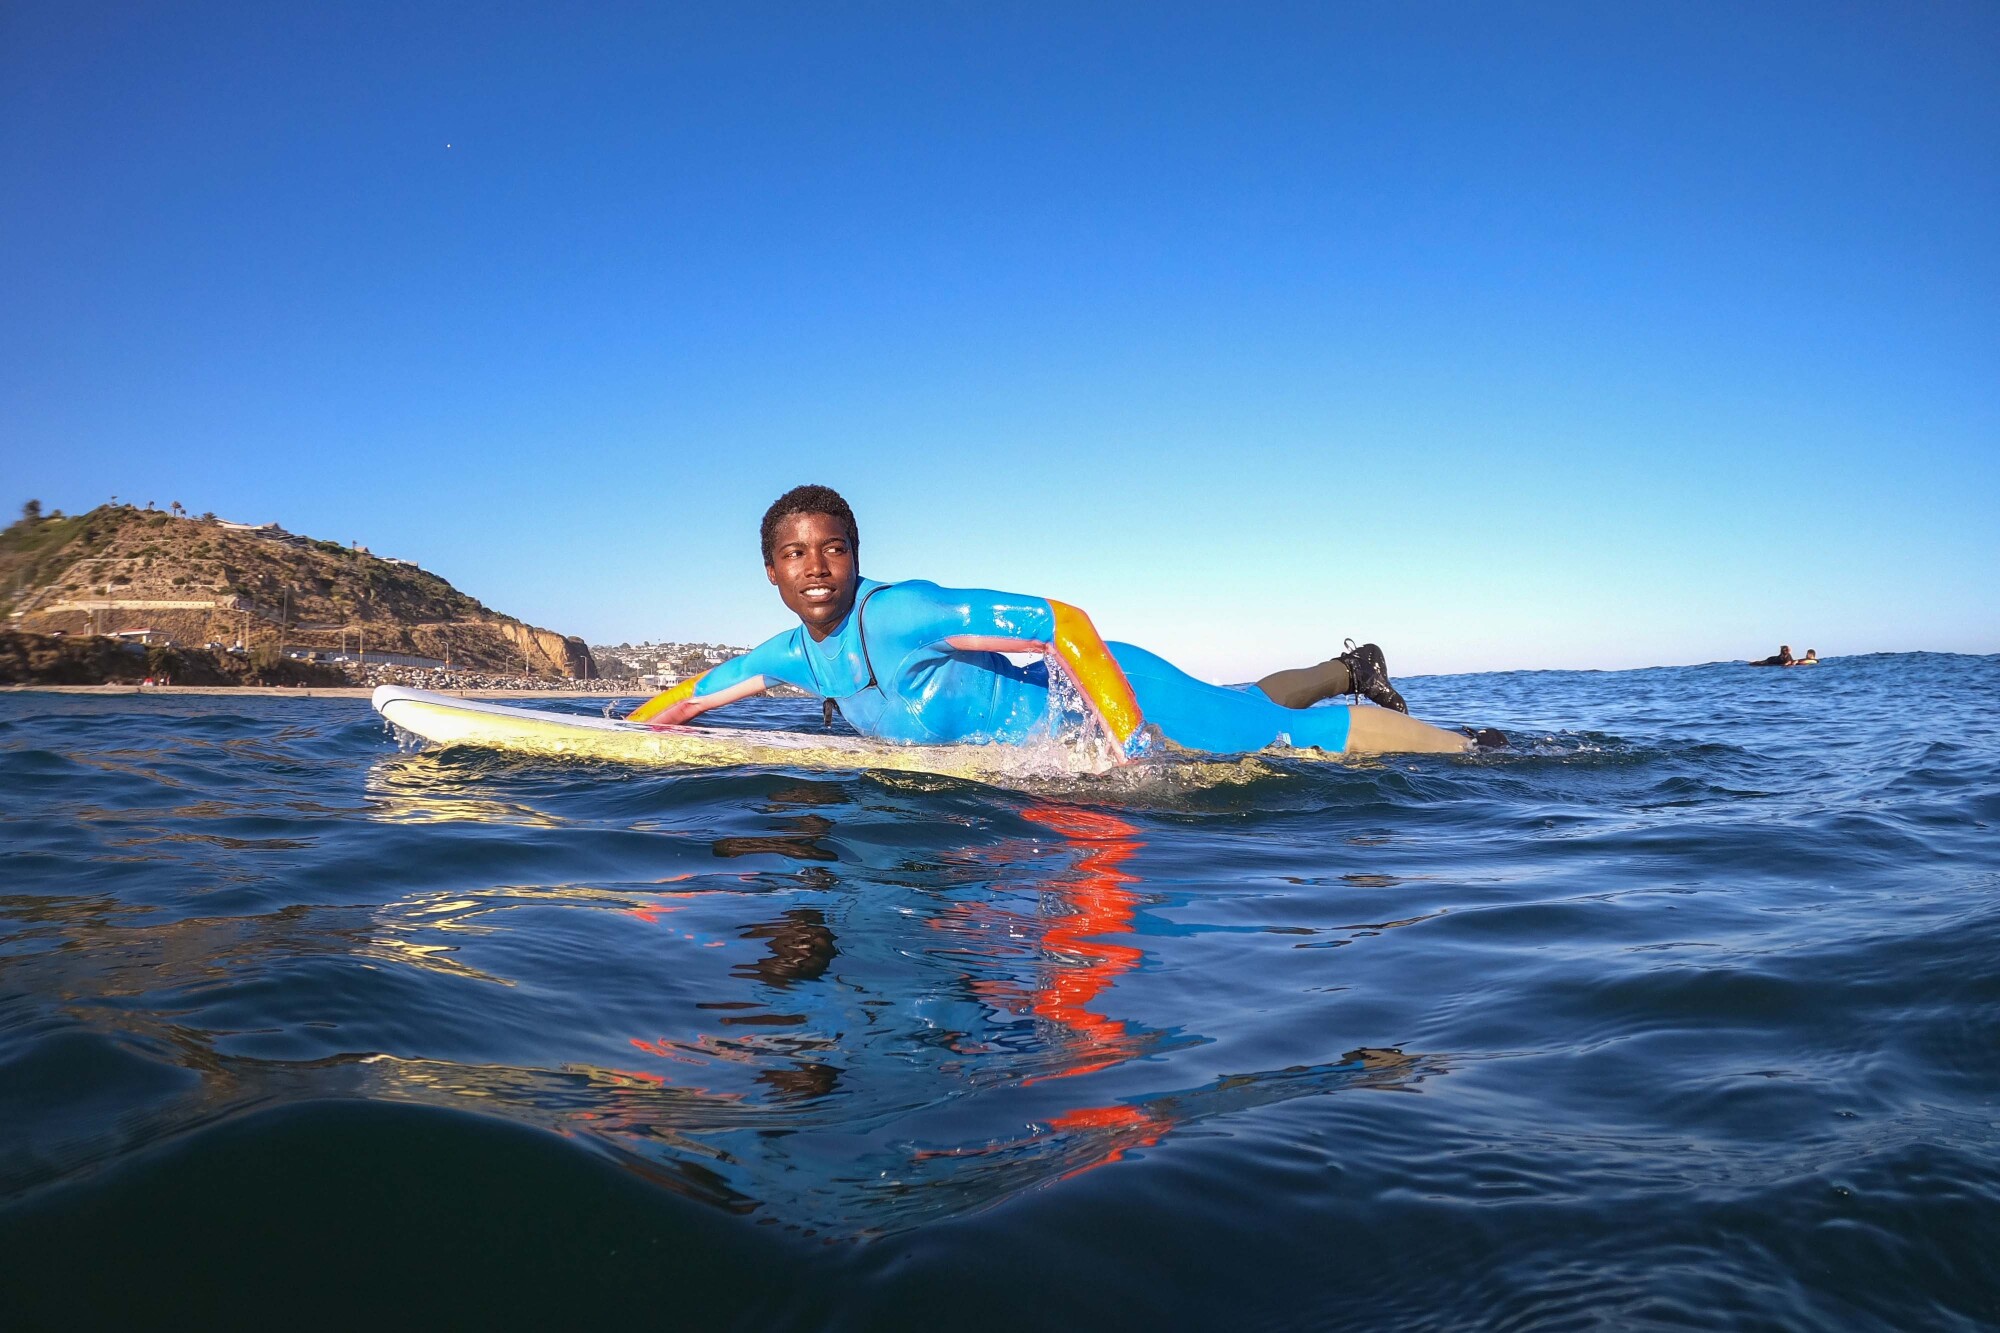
x,y
1682,1013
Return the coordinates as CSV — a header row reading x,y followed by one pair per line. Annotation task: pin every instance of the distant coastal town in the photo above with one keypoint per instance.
x,y
619,669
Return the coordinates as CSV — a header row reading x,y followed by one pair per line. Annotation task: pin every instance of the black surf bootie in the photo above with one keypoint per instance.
x,y
1371,676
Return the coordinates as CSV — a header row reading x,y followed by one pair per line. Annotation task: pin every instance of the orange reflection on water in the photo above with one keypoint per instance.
x,y
1112,1131
1100,905
1080,957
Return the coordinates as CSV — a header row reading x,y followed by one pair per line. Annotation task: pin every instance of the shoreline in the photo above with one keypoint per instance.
x,y
305,692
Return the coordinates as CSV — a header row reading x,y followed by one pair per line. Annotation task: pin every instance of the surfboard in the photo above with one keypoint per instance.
x,y
446,719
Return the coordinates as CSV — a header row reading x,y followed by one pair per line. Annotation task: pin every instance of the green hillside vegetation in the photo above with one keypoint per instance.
x,y
34,549
200,580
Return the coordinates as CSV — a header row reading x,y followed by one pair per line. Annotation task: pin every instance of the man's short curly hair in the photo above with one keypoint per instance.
x,y
808,500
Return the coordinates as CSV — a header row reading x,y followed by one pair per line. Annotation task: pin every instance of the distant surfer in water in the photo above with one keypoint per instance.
x,y
915,663
1785,658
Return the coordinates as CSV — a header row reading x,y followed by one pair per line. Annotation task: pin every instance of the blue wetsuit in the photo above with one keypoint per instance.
x,y
903,682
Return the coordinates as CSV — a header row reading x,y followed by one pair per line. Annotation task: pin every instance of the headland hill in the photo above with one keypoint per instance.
x,y
130,595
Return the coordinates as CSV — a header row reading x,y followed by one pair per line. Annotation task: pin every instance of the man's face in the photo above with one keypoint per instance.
x,y
811,563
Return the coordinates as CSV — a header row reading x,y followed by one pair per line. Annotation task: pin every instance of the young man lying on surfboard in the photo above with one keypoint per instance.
x,y
915,663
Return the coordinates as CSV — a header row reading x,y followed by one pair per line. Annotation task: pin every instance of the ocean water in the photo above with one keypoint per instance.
x,y
1683,1013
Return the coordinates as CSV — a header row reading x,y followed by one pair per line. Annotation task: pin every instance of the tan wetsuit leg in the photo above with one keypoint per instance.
x,y
1302,687
1385,731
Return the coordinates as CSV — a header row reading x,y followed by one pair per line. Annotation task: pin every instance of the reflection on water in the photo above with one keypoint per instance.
x,y
846,1031
800,948
848,1006
424,789
848,1057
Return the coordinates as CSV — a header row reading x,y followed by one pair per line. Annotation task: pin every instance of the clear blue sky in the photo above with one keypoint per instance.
x,y
1509,335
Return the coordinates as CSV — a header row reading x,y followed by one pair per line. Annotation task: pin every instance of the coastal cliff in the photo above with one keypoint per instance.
x,y
546,650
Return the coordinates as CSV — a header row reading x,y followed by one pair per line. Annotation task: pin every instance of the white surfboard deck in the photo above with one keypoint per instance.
x,y
448,720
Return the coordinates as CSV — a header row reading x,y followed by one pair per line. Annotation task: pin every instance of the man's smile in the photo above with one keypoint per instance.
x,y
811,563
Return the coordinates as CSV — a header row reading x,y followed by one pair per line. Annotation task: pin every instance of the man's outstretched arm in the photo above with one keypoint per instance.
x,y
738,678
676,705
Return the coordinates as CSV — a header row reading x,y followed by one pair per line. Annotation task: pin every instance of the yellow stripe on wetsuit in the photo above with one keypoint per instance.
x,y
1096,672
666,699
